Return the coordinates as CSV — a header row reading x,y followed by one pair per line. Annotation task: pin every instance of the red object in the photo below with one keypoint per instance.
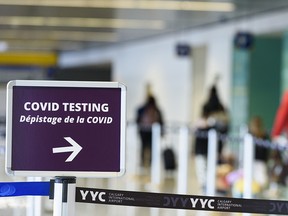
x,y
281,119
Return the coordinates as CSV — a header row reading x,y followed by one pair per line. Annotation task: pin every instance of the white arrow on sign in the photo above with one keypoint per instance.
x,y
75,149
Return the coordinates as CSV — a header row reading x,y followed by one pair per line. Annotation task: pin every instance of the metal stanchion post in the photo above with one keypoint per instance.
x,y
183,157
34,204
183,160
248,165
156,154
211,163
156,162
132,154
64,196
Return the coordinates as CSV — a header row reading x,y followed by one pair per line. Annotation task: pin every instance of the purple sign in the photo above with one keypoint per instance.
x,y
65,128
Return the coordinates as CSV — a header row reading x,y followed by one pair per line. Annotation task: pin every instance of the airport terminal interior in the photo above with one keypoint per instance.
x,y
206,99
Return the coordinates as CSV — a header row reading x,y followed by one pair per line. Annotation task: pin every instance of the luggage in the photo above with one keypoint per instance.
x,y
169,159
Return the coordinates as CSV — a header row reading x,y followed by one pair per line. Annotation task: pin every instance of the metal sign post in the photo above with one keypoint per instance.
x,y
64,196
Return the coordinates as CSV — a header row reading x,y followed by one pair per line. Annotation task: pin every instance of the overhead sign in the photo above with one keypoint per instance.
x,y
65,128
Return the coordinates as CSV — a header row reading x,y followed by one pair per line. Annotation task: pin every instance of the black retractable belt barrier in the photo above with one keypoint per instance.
x,y
147,199
177,201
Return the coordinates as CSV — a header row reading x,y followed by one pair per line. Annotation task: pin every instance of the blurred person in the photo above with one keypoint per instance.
x,y
279,135
213,116
280,126
147,115
256,129
262,161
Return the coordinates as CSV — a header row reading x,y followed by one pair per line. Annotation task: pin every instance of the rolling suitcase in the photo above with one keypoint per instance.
x,y
169,159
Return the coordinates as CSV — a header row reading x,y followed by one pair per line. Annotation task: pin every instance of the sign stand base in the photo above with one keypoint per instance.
x,y
64,196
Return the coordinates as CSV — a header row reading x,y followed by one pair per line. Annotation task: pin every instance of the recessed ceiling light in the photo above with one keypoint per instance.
x,y
82,22
130,4
58,35
3,46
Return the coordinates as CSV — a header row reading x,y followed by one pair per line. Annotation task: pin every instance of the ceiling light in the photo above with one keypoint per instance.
x,y
3,46
82,22
42,45
58,35
130,4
